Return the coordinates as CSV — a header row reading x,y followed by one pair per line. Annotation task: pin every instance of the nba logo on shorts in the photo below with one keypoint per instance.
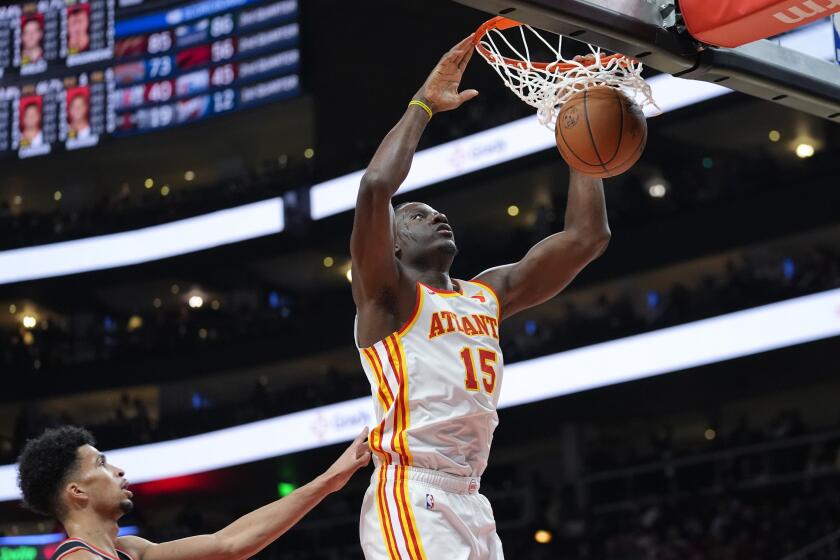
x,y
473,486
430,501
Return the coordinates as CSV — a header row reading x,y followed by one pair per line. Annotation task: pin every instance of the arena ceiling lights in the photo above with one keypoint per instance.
x,y
143,245
770,327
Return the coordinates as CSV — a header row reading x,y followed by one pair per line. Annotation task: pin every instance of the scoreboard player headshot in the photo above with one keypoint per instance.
x,y
31,131
78,28
31,39
78,113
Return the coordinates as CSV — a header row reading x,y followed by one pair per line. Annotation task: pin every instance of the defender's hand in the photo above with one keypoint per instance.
x,y
354,457
440,91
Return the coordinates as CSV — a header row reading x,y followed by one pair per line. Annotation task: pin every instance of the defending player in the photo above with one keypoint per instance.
x,y
430,344
63,475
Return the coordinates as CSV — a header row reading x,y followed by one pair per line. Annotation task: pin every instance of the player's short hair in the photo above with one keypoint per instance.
x,y
45,464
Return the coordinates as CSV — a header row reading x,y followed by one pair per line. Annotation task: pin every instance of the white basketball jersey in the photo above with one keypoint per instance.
x,y
436,382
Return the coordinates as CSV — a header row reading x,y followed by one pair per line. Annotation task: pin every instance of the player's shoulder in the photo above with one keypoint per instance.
x,y
133,546
480,289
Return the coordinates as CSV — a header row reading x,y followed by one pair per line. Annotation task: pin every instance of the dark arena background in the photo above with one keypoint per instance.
x,y
174,276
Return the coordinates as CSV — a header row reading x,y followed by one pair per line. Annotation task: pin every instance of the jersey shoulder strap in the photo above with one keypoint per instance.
x,y
74,545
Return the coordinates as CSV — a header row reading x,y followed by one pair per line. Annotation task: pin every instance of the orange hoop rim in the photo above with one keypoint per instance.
x,y
500,23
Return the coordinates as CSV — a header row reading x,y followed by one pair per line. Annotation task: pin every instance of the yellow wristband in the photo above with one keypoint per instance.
x,y
422,106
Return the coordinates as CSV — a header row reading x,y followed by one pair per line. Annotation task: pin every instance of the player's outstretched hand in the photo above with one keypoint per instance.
x,y
440,91
354,458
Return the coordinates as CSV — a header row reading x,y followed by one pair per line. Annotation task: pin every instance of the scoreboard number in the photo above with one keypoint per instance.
x,y
159,42
221,25
223,100
160,66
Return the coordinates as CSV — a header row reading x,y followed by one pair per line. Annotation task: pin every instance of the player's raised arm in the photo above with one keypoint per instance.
x,y
375,269
252,532
553,262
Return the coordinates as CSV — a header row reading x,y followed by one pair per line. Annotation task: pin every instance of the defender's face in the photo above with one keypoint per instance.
x,y
421,228
104,484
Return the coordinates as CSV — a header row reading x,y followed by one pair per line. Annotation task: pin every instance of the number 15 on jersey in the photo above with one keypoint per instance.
x,y
486,364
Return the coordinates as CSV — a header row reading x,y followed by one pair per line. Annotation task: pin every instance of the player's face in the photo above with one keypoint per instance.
x,y
78,112
421,228
32,119
31,35
77,31
104,485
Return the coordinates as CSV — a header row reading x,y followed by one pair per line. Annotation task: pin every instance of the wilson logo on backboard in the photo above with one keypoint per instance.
x,y
807,10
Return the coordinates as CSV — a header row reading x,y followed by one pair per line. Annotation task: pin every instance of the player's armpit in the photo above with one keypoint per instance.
x,y
136,547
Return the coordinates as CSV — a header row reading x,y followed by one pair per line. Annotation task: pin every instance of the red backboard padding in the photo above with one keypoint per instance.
x,y
731,23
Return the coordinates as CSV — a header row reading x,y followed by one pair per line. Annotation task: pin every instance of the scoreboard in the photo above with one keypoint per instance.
x,y
73,72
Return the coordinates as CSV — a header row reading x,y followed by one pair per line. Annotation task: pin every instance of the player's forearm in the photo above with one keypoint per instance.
x,y
392,161
252,532
586,210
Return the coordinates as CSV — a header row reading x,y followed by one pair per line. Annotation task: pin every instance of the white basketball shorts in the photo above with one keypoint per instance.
x,y
411,513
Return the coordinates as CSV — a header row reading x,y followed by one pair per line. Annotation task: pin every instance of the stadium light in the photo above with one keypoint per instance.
x,y
804,150
657,190
285,488
542,536
135,322
152,243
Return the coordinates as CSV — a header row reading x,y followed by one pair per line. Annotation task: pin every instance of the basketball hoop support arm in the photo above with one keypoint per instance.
x,y
762,69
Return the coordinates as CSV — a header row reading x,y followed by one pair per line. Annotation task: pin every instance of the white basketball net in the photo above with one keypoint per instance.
x,y
548,87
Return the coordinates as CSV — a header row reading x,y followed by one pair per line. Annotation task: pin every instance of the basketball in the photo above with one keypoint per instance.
x,y
601,132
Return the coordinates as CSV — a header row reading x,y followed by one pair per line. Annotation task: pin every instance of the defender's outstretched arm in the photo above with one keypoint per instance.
x,y
553,262
252,532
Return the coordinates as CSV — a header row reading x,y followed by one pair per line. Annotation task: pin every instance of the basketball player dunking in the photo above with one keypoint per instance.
x,y
429,344
63,475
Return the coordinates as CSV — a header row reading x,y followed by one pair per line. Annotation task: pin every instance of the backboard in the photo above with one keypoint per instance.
x,y
650,31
